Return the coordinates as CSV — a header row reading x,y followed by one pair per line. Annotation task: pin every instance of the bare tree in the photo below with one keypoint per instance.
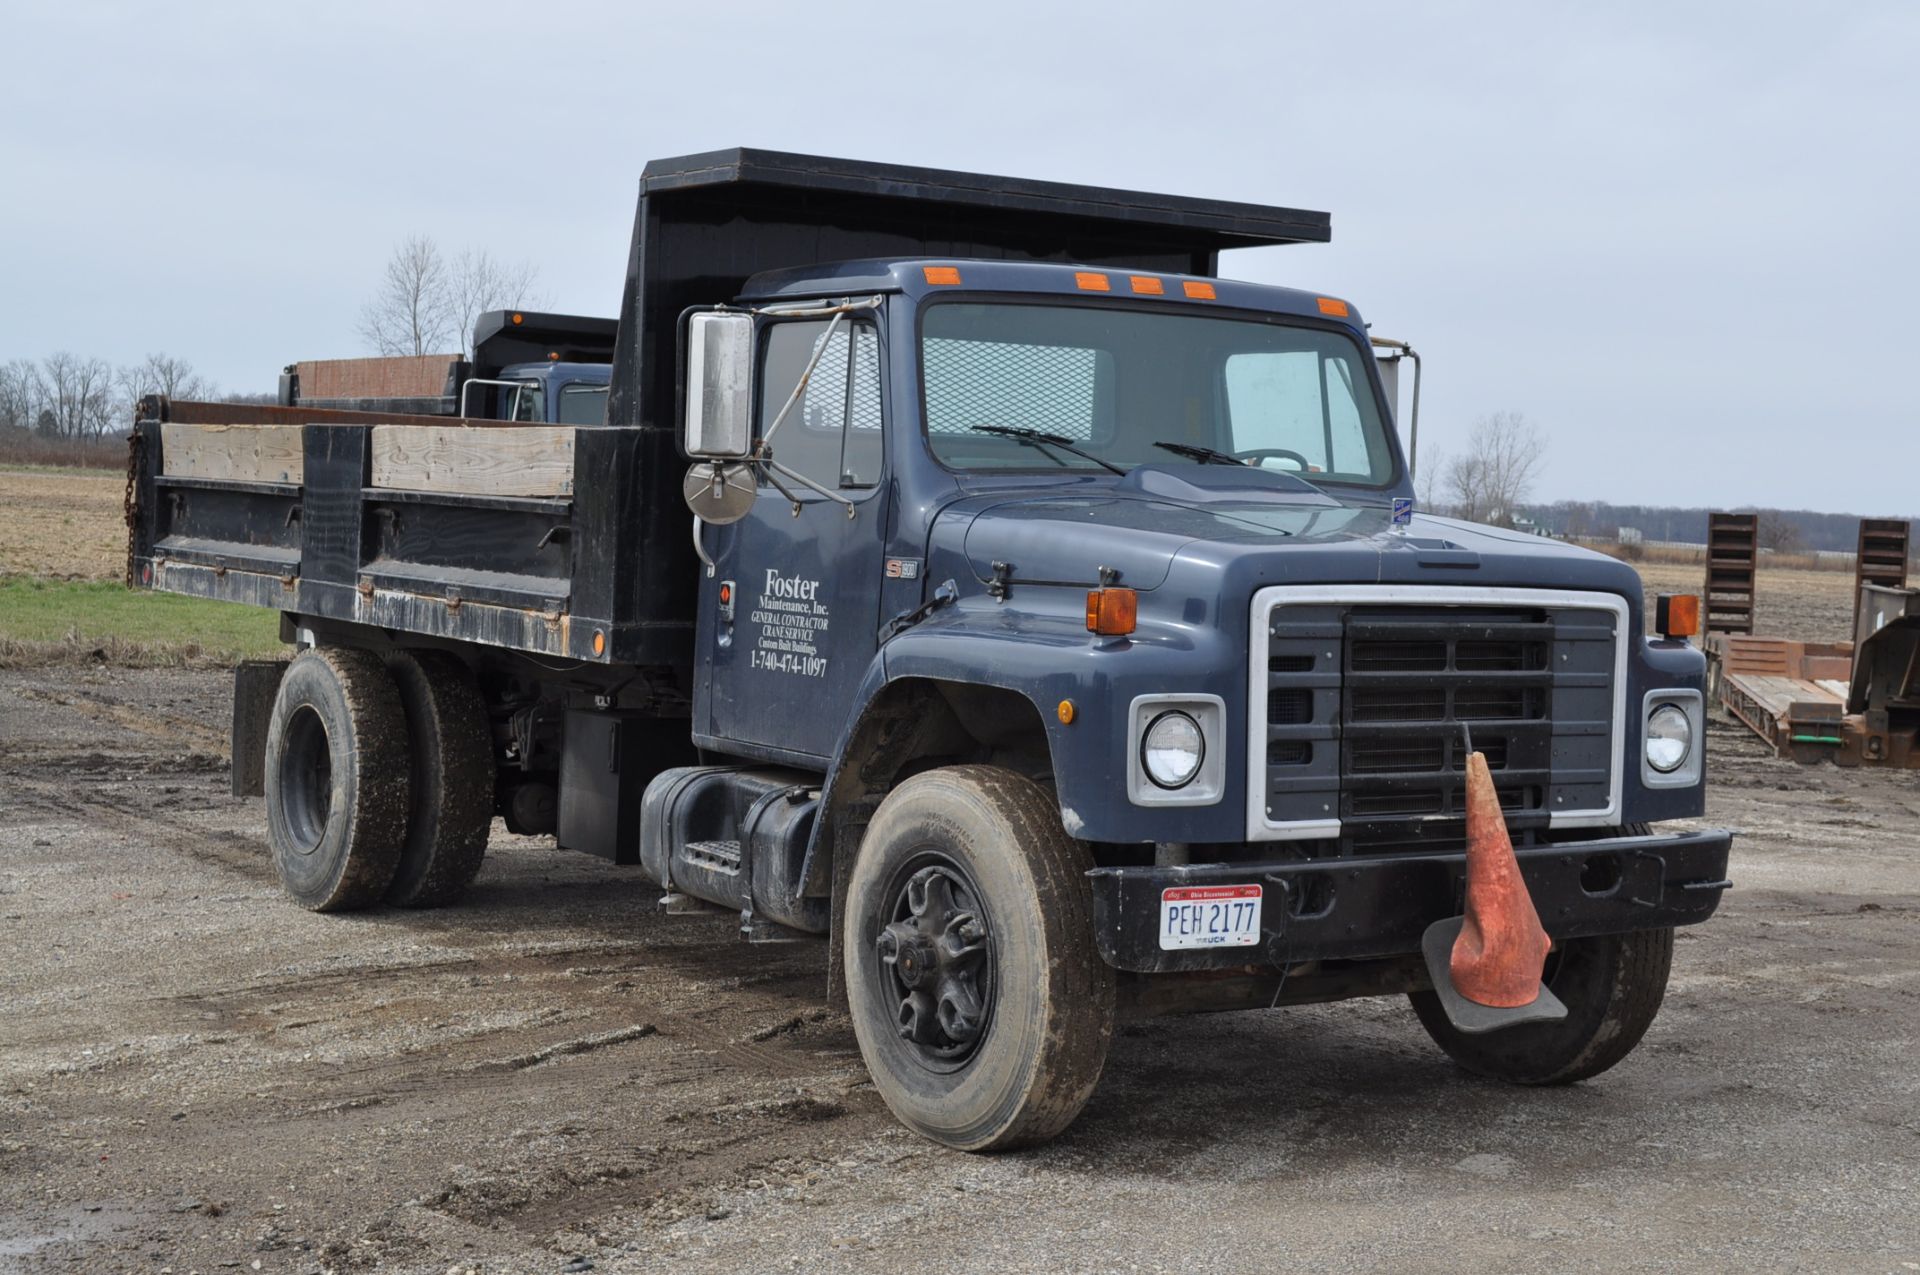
x,y
1776,531
478,283
1426,483
161,374
79,396
21,393
1493,477
411,313
165,374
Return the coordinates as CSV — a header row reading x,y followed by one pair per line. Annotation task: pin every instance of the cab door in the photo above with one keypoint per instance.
x,y
791,612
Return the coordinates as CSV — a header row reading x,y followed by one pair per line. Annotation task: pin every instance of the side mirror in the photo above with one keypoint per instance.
x,y
1390,381
719,424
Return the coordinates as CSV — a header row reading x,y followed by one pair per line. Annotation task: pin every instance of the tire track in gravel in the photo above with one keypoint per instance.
x,y
139,718
126,815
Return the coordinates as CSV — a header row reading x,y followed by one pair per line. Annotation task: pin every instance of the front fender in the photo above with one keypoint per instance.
x,y
1042,651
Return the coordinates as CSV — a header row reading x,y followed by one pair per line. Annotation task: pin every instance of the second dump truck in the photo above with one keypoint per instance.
x,y
967,573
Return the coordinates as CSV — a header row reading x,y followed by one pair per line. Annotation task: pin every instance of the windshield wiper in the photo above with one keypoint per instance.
x,y
1040,438
1205,455
1214,456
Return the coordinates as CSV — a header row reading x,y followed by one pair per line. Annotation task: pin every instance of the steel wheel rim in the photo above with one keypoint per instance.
x,y
306,780
935,962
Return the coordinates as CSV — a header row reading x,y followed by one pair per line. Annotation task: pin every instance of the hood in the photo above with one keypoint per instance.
x,y
1274,525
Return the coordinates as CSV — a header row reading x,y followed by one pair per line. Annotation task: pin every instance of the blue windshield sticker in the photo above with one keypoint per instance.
x,y
1402,511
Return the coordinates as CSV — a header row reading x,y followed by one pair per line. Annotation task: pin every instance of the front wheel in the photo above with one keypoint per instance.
x,y
982,1007
1612,987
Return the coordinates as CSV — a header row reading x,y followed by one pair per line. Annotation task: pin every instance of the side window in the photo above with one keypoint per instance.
x,y
583,405
529,402
833,433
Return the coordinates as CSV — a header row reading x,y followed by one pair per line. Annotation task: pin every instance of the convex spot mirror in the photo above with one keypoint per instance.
x,y
719,493
719,424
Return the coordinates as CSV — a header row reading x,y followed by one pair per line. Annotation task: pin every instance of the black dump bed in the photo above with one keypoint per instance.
x,y
573,541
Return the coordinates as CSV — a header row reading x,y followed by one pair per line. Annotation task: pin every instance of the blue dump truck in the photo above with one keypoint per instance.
x,y
526,366
966,573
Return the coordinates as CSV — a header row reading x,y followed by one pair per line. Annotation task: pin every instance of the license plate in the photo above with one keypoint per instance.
x,y
1209,916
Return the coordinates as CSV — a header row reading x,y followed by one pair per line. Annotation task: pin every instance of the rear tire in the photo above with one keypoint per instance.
x,y
1612,987
981,1004
336,779
450,778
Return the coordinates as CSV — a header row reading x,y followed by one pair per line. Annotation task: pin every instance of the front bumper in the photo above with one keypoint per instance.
x,y
1359,908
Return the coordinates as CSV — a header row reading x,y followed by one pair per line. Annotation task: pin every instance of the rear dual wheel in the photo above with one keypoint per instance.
x,y
378,779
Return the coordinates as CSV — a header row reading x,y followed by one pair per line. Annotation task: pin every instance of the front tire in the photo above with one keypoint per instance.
x,y
1612,987
982,1008
336,779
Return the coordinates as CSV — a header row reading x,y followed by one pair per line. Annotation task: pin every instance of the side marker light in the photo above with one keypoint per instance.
x,y
1112,612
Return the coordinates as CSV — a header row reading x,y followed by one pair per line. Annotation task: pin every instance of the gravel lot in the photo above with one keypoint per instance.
x,y
195,1075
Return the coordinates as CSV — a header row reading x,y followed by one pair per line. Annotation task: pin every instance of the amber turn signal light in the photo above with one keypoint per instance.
x,y
1112,612
1677,615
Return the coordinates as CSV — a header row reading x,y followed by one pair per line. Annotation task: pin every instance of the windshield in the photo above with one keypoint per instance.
x,y
1117,382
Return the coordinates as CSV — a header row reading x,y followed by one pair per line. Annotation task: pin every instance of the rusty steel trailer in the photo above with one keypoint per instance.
x,y
1791,694
1856,703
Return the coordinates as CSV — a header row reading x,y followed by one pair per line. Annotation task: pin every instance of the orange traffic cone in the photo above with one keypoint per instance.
x,y
1502,948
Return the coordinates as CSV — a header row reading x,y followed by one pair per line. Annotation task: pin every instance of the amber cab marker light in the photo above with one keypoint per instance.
x,y
1146,285
518,319
1677,615
941,274
1112,612
1065,712
1088,281
1197,291
1336,308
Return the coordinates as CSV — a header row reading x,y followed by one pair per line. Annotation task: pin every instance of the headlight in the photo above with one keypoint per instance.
x,y
1172,749
1669,738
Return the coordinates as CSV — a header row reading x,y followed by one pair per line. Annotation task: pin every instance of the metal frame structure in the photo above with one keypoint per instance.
x,y
1733,552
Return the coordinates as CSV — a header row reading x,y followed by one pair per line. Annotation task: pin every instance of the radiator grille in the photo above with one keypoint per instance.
x,y
1370,710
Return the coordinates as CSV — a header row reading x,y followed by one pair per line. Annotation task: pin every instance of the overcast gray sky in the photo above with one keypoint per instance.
x,y
1681,238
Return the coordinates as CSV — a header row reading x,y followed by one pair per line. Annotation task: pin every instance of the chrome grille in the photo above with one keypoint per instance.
x,y
1370,708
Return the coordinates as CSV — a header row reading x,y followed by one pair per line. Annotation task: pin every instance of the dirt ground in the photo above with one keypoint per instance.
x,y
62,526
196,1075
